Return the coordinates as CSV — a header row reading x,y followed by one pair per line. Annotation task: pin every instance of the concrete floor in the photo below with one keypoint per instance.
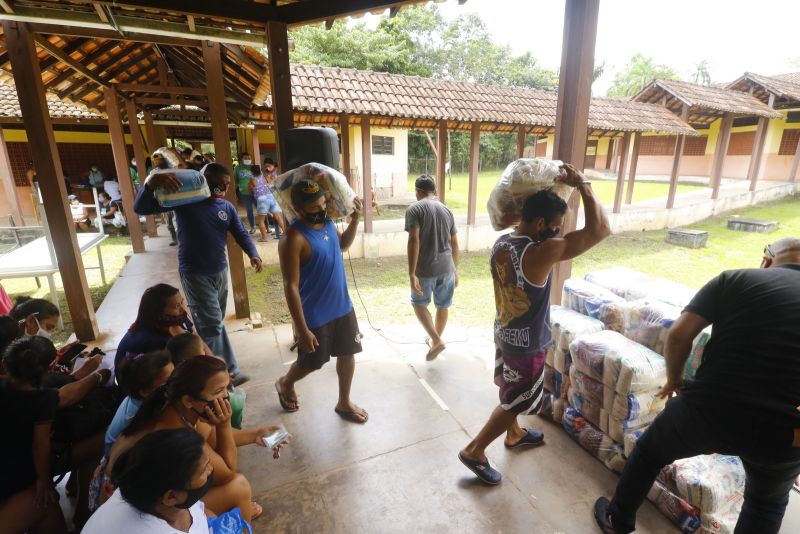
x,y
398,472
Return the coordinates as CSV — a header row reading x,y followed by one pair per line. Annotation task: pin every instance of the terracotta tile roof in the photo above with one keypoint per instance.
x,y
783,85
59,109
702,97
328,90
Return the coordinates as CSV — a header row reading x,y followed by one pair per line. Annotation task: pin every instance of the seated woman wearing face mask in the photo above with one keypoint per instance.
x,y
36,317
160,482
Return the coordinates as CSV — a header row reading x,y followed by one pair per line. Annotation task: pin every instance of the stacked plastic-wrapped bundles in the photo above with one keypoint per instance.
x,y
696,356
586,395
644,321
624,282
585,297
521,179
593,440
338,193
629,441
682,514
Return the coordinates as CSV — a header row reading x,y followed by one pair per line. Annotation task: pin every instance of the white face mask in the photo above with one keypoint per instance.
x,y
246,161
41,332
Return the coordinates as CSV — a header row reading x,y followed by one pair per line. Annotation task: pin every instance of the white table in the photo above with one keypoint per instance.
x,y
34,259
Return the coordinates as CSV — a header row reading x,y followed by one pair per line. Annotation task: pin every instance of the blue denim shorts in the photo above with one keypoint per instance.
x,y
267,204
441,287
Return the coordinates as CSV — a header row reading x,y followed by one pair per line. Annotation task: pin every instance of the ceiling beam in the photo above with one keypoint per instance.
x,y
101,13
169,89
313,11
229,9
98,33
165,101
55,51
137,25
7,5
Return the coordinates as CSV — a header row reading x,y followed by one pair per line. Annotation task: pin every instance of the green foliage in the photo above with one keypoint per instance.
x,y
639,72
701,75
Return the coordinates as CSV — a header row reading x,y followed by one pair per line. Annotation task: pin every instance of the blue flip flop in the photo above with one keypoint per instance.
x,y
531,437
485,472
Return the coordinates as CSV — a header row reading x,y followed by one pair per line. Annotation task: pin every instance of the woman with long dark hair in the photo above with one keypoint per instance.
x,y
162,314
160,480
35,317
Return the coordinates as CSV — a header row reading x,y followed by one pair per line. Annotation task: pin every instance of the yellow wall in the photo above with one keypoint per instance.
x,y
101,138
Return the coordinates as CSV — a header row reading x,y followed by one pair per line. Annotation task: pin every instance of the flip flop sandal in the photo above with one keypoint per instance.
x,y
351,416
283,400
257,510
532,437
601,515
485,472
434,352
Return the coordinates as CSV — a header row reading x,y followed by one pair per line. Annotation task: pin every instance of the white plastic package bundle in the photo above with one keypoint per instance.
x,y
617,428
629,440
567,324
521,179
562,361
682,514
696,356
636,405
586,386
624,282
589,408
602,447
722,521
628,367
589,351
338,193
709,482
648,321
585,297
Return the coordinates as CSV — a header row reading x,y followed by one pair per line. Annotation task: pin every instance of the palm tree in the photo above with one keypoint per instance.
x,y
701,75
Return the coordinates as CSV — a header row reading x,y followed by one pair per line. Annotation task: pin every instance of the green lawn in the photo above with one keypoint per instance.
x,y
456,194
113,250
383,282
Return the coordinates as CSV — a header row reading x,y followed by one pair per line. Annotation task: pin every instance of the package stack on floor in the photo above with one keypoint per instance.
x,y
602,377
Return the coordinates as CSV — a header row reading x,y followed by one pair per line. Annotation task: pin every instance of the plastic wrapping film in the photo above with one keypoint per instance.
x,y
553,381
519,180
624,282
585,297
338,193
696,356
546,410
562,361
722,521
593,440
636,405
709,482
630,439
682,514
589,408
567,324
644,321
618,428
194,188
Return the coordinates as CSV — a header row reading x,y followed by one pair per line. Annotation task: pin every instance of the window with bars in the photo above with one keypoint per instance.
x,y
657,145
789,142
741,143
695,146
382,145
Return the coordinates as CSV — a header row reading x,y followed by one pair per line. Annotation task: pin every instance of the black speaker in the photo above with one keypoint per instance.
x,y
311,144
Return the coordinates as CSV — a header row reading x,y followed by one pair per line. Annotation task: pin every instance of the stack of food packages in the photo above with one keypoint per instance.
x,y
603,374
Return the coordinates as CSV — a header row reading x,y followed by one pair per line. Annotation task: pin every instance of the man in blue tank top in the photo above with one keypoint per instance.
x,y
521,265
316,292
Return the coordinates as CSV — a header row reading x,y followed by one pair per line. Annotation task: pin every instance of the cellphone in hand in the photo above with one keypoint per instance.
x,y
276,437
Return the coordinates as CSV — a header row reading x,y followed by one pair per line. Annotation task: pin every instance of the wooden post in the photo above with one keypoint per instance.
x,y
795,164
474,160
623,163
21,51
344,131
280,85
521,142
212,60
753,171
676,162
9,184
150,131
119,149
441,161
141,157
256,148
614,156
572,112
720,151
610,153
637,140
366,164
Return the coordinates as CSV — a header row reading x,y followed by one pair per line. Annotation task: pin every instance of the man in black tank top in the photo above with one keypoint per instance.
x,y
521,263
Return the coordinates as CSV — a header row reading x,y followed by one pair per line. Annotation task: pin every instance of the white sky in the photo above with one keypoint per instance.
x,y
734,36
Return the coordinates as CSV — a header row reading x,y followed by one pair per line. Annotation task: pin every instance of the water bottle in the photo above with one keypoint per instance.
x,y
194,188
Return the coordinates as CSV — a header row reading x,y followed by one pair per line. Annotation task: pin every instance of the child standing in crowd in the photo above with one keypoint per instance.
x,y
265,203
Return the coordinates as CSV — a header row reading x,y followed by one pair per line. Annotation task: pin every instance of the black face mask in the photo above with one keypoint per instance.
x,y
548,233
317,217
195,494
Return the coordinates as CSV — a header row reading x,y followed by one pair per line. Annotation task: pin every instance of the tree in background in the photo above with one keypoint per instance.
x,y
639,72
419,42
701,75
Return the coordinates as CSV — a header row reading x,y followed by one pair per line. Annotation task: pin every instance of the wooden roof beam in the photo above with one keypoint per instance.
x,y
140,25
170,89
55,51
7,5
99,33
193,65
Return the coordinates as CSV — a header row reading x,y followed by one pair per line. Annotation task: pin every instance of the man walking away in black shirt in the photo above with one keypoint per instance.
x,y
744,400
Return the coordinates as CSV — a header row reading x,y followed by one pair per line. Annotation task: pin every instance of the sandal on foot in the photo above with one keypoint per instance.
x,y
354,417
531,437
433,352
603,517
257,510
285,400
485,472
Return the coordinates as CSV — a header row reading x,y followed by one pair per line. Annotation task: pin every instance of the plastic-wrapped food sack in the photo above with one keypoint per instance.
x,y
589,351
588,387
562,361
567,324
612,315
572,421
589,408
194,188
628,366
722,521
709,482
682,514
636,405
170,155
521,179
548,380
585,297
601,447
548,356
546,410
624,282
696,356
618,428
648,321
630,439
558,410
338,194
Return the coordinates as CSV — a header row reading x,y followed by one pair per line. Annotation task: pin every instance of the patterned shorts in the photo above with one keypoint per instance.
x,y
520,378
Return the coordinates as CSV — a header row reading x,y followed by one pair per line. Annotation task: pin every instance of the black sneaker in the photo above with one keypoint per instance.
x,y
239,378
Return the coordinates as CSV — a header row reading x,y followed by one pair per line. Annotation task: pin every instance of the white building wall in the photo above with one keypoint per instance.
x,y
389,173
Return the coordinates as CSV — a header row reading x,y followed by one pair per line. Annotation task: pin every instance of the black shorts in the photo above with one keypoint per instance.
x,y
340,337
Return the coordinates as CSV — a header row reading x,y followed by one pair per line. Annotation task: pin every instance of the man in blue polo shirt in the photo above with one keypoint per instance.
x,y
202,235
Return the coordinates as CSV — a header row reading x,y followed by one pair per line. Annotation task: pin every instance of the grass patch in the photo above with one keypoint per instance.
x,y
113,250
384,288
